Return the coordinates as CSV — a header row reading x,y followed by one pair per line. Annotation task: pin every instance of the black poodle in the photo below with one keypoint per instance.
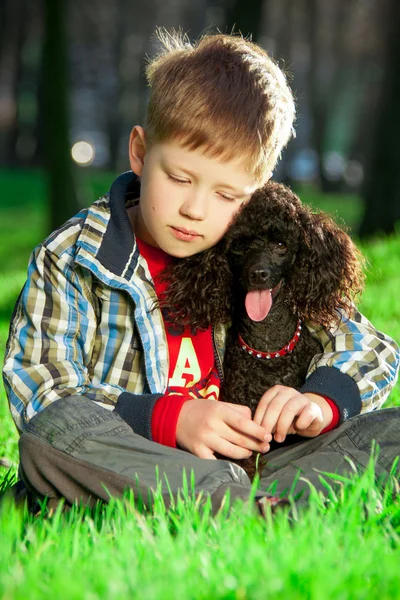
x,y
278,265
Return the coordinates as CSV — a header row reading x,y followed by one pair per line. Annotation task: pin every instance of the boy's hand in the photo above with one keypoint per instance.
x,y
208,426
283,410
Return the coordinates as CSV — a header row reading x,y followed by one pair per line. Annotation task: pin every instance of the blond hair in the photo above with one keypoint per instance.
x,y
222,94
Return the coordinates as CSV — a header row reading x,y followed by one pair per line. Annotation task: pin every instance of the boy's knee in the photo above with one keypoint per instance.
x,y
47,472
66,415
36,465
55,426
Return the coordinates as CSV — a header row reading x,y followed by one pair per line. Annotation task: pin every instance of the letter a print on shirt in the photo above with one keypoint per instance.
x,y
186,364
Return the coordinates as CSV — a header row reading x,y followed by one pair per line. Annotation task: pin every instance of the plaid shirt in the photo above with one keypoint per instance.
x,y
83,325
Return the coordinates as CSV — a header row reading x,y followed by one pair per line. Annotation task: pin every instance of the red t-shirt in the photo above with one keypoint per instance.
x,y
192,368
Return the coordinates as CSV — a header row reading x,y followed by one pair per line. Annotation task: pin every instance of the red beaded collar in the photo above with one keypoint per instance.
x,y
287,349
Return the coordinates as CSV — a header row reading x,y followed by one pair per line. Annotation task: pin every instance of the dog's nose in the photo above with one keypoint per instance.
x,y
258,276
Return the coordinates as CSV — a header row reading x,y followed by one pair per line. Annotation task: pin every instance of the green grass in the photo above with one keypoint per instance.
x,y
348,548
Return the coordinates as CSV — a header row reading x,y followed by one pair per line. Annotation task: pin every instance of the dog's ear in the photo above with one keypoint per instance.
x,y
327,273
199,289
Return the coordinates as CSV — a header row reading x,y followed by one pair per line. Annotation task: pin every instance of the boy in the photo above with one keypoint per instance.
x,y
101,386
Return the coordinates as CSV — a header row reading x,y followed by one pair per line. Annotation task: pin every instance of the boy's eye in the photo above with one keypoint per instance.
x,y
176,179
228,198
184,181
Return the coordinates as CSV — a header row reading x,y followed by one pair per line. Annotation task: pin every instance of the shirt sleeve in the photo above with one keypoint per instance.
x,y
358,367
50,347
165,418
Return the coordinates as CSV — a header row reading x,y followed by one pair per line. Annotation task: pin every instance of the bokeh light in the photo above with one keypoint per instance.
x,y
83,153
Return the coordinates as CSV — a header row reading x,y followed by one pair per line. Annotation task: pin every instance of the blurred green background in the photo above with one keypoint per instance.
x,y
72,86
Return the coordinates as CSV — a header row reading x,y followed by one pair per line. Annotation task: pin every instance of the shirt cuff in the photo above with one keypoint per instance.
x,y
335,418
137,410
339,387
165,418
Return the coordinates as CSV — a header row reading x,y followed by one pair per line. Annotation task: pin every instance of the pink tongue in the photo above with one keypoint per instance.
x,y
258,304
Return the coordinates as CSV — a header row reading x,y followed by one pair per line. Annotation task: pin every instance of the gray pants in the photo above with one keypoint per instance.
x,y
80,451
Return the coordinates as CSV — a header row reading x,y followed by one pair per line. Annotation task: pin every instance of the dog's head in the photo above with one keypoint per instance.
x,y
261,247
279,248
275,245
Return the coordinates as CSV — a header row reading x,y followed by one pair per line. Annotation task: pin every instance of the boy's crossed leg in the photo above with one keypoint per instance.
x,y
330,453
80,451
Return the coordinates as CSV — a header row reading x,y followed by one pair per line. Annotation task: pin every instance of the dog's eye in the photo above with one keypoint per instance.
x,y
281,246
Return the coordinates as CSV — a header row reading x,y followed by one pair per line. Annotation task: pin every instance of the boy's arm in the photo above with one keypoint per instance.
x,y
50,346
365,366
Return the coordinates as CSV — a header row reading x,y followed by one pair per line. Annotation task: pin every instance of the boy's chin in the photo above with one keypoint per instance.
x,y
185,252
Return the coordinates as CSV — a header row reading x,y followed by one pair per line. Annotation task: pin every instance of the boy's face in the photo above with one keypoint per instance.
x,y
187,199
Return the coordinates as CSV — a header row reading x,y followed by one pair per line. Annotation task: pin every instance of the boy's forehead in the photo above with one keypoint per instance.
x,y
198,163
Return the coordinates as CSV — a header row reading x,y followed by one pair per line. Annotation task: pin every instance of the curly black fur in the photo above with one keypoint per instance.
x,y
274,240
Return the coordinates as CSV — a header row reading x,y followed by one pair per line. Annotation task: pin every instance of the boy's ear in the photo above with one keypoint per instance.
x,y
137,149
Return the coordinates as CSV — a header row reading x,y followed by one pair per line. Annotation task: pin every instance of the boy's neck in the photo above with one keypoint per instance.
x,y
131,212
135,220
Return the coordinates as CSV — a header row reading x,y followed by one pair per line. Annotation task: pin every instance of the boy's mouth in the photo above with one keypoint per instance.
x,y
184,234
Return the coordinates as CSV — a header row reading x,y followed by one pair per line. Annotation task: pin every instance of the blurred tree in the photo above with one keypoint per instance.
x,y
246,17
328,68
281,24
12,41
63,202
113,115
381,190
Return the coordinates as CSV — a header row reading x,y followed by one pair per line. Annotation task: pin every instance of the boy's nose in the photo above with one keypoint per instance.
x,y
194,207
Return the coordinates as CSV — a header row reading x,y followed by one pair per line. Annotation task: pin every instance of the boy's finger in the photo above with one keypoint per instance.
x,y
248,427
240,408
206,453
273,414
262,406
277,392
288,415
245,441
226,448
259,413
308,417
304,420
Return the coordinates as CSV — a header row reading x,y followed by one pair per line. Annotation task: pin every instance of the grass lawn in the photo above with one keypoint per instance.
x,y
347,549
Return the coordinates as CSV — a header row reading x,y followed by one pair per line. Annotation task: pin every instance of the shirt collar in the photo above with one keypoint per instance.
x,y
107,237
